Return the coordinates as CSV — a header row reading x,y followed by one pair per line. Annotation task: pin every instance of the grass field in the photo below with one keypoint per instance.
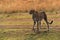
x,y
27,34
18,26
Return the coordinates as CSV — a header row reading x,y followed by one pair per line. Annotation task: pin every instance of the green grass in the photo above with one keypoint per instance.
x,y
27,34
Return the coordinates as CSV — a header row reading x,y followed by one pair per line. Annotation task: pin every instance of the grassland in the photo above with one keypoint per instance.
x,y
26,19
18,26
23,5
27,34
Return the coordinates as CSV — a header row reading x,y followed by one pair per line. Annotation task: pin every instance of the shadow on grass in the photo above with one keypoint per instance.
x,y
51,35
34,36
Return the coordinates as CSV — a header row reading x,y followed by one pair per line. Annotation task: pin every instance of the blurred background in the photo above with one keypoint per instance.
x,y
25,5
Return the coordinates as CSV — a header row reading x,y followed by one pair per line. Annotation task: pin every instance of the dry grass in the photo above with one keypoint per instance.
x,y
17,19
26,19
9,5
